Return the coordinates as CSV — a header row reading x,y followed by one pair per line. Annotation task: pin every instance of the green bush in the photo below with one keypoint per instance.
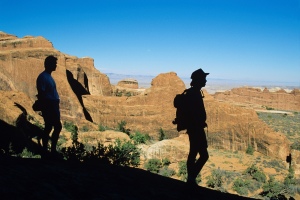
x,y
120,153
28,154
240,186
122,127
250,150
139,138
182,172
102,128
269,108
76,152
70,127
167,172
123,154
296,145
153,165
161,134
85,128
290,178
260,177
273,189
216,179
165,162
256,174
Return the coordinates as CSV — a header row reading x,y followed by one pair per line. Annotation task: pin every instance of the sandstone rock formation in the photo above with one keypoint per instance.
x,y
147,113
279,100
22,59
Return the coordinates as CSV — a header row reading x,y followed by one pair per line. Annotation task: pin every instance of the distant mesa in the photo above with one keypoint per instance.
x,y
128,83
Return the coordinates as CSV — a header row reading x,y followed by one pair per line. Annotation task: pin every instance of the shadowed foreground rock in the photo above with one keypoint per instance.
x,y
39,179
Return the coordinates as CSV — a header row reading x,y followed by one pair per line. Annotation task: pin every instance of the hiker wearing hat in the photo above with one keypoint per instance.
x,y
196,125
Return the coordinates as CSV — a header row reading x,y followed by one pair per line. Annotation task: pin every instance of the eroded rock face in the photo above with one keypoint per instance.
x,y
148,112
277,100
22,60
234,128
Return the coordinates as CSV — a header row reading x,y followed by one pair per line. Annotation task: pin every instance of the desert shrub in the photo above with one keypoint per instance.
x,y
161,134
153,165
250,150
269,108
274,164
260,177
273,189
76,152
28,154
85,128
183,174
122,127
256,174
165,162
167,172
182,171
102,128
296,145
159,166
139,138
128,94
290,178
123,154
198,178
70,126
216,179
120,153
291,183
240,186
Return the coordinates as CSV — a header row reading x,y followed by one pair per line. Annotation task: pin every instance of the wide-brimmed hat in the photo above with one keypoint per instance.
x,y
199,73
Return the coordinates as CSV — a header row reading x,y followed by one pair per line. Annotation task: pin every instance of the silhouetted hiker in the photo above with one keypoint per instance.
x,y
195,126
48,96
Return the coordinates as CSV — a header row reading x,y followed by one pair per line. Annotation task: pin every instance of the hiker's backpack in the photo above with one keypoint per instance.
x,y
181,104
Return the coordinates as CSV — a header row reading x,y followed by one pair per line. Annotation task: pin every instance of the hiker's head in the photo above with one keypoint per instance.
x,y
198,78
50,63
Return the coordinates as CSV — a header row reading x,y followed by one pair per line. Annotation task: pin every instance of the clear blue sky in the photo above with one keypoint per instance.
x,y
257,40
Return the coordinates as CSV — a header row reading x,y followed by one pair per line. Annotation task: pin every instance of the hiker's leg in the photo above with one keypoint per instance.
x,y
45,136
192,157
202,149
201,161
55,136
